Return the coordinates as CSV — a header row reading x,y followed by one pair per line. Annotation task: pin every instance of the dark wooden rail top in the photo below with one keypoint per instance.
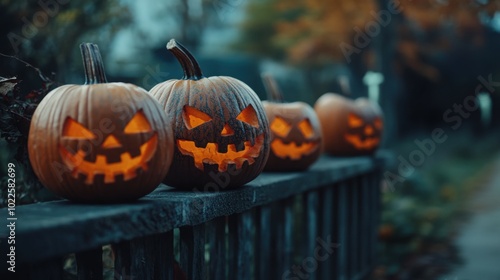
x,y
52,229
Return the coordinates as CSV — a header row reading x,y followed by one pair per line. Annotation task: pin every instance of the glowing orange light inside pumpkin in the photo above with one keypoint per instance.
x,y
126,167
249,116
138,124
280,127
210,154
194,117
378,123
74,130
368,131
366,144
111,142
292,150
354,121
227,130
306,128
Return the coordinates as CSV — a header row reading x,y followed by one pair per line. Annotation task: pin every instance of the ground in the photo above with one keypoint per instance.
x,y
479,239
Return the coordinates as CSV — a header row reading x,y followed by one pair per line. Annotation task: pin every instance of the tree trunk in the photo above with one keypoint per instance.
x,y
385,45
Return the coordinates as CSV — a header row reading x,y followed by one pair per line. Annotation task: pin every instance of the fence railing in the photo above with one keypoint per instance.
x,y
317,224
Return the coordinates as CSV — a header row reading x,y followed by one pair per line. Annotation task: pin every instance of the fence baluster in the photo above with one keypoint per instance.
x,y
264,230
364,202
122,259
193,251
343,230
309,264
326,218
376,179
89,264
148,257
263,242
240,245
47,270
218,248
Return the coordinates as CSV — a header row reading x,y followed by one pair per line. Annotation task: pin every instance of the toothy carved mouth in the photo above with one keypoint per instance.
x,y
127,166
210,154
366,144
292,150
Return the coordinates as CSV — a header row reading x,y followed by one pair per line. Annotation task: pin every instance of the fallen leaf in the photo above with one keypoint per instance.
x,y
7,85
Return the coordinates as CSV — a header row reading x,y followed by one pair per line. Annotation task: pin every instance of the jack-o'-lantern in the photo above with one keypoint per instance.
x,y
100,142
295,128
349,127
220,127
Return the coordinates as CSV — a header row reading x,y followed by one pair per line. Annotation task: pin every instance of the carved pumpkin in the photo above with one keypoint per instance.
x,y
349,127
100,142
221,130
295,129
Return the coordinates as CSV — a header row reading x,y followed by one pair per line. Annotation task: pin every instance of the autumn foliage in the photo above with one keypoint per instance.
x,y
318,32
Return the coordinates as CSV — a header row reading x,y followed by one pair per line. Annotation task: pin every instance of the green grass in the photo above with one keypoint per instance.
x,y
425,209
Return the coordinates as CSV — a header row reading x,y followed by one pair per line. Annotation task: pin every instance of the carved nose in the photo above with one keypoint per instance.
x,y
227,130
368,130
111,142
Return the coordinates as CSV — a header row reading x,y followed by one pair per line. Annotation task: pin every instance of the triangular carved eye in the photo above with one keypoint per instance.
x,y
194,117
138,124
354,121
280,127
75,130
379,124
227,130
306,128
111,142
249,116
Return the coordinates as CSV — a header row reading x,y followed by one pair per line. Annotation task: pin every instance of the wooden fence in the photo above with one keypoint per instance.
x,y
317,224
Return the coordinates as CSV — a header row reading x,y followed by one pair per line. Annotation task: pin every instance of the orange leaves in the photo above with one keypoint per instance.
x,y
312,31
464,15
315,34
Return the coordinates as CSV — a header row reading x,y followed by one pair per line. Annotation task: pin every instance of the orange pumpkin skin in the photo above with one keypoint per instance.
x,y
350,128
221,131
100,142
296,136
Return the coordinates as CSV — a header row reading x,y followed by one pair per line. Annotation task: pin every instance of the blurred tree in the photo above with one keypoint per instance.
x,y
47,33
444,49
304,31
189,19
258,29
417,45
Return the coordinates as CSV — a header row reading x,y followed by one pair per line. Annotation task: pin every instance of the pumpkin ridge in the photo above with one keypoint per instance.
x,y
231,87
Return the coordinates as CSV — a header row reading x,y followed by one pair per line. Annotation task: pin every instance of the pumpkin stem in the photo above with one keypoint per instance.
x,y
192,70
92,64
273,91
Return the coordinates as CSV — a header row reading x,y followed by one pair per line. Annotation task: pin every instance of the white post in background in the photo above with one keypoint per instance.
x,y
345,87
485,105
373,81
